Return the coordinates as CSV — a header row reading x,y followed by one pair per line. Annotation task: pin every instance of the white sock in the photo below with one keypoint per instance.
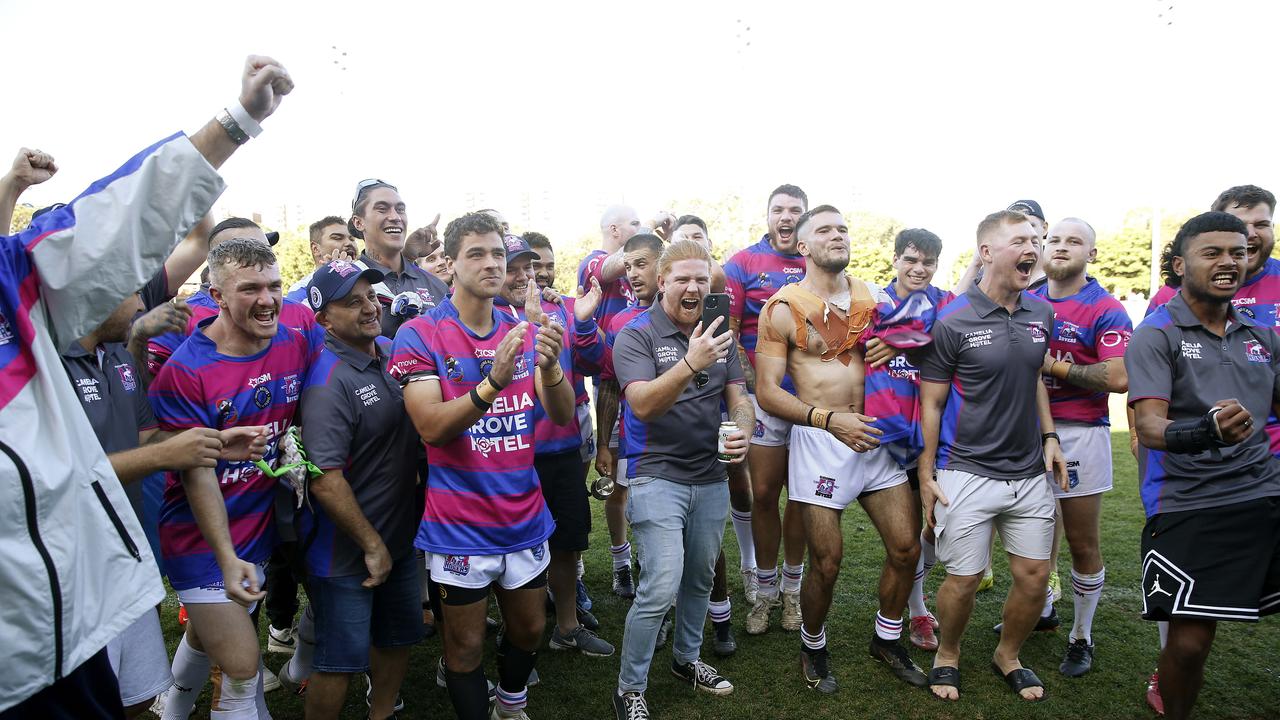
x,y
720,611
582,569
260,699
767,582
190,671
928,551
238,699
1163,626
915,601
1087,590
746,544
299,666
887,629
791,577
814,641
621,555
1048,602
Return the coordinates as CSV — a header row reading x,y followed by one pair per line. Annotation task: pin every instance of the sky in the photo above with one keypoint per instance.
x,y
933,112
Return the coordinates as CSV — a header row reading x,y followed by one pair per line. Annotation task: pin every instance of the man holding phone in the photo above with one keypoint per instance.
x,y
835,453
674,374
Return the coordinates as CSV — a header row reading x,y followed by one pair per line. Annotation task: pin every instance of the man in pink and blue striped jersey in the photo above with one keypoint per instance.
x,y
217,525
471,374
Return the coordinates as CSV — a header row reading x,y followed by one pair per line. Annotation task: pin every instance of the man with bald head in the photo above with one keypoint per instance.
x,y
1084,364
617,225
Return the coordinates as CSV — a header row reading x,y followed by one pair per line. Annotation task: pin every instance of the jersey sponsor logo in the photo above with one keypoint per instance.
x,y
793,271
262,396
6,330
977,338
666,354
457,564
452,369
255,382
792,279
368,394
1068,332
1191,350
1036,330
128,380
1112,338
227,413
88,390
1254,352
292,387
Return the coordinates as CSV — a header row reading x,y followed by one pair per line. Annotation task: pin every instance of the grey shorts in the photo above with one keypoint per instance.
x,y
1021,510
140,660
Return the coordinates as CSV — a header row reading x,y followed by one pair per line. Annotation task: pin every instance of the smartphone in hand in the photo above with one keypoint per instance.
x,y
716,305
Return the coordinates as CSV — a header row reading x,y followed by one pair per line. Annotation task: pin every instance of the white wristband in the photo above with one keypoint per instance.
x,y
242,118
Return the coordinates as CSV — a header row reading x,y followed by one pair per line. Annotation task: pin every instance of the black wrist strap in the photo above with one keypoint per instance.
x,y
495,384
1046,436
479,401
1191,436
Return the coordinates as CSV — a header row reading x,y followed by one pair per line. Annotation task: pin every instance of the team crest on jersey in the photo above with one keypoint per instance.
x,y
1069,332
521,368
292,385
538,552
485,366
457,564
261,396
6,330
427,298
227,413
792,278
826,487
1036,330
452,368
127,378
764,280
1255,352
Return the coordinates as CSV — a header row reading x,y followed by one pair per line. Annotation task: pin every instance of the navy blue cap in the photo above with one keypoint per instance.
x,y
1028,207
333,281
517,247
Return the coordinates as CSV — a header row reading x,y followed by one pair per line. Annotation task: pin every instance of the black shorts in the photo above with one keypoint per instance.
x,y
913,479
564,486
88,691
1219,563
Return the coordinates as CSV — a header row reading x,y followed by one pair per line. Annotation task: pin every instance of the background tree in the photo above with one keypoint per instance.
x,y
21,217
293,254
871,246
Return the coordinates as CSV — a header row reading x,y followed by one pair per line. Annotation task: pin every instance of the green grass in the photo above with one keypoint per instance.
x,y
1242,680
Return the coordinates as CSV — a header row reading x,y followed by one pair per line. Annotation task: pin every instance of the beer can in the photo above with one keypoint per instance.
x,y
726,429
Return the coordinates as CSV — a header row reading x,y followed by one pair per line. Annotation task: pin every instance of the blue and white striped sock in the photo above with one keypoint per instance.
x,y
887,629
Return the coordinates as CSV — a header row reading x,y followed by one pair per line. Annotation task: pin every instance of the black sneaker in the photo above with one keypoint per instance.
x,y
1079,659
724,644
587,620
1046,623
623,585
702,677
630,706
815,664
893,654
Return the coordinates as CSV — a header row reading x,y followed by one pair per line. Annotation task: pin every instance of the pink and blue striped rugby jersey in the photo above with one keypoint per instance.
x,y
615,296
752,276
1088,328
200,387
483,497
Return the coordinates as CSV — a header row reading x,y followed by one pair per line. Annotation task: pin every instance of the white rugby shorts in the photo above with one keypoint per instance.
x,y
770,431
1087,449
511,570
821,470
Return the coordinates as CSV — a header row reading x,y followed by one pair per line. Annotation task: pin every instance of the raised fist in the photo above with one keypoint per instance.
x,y
31,167
265,82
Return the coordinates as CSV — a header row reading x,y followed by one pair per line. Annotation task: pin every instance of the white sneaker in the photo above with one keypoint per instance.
x,y
283,641
499,714
791,617
270,681
750,585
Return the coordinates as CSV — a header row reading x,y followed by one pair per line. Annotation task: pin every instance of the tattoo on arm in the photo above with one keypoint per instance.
x,y
748,372
744,417
607,414
1089,377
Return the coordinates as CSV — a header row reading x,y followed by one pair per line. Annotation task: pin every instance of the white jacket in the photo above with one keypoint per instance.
x,y
75,567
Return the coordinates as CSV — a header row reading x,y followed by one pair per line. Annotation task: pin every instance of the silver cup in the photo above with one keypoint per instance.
x,y
602,487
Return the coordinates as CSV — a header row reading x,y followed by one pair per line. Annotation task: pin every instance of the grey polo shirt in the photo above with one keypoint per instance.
x,y
681,446
430,288
992,360
110,390
353,419
1172,357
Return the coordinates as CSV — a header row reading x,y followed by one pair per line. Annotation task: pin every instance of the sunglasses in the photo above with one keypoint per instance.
x,y
701,378
368,184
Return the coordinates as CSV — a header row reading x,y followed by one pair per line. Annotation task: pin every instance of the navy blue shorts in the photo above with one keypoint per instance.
x,y
88,692
350,618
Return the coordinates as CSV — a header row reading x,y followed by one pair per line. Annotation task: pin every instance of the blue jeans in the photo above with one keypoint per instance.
x,y
349,617
678,530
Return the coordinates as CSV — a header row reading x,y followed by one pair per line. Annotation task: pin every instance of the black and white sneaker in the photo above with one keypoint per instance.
x,y
724,645
623,585
368,694
816,666
702,677
630,706
1079,659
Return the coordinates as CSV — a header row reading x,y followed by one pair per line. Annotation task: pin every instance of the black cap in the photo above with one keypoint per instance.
x,y
1028,207
334,280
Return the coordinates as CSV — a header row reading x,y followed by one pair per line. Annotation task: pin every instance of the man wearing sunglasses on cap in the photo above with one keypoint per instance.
x,y
378,217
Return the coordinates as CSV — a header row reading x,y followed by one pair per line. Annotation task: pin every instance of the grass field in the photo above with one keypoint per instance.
x,y
1243,678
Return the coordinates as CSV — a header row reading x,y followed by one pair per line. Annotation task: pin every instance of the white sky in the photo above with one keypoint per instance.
x,y
933,112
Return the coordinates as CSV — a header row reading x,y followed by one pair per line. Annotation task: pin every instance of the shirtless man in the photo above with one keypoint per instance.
x,y
835,453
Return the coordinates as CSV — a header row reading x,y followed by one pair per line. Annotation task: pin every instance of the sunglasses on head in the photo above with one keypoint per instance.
x,y
368,184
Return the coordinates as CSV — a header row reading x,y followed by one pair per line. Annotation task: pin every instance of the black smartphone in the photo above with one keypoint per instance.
x,y
716,305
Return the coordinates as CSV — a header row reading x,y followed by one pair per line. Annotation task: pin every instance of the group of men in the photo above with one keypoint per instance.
x,y
410,425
